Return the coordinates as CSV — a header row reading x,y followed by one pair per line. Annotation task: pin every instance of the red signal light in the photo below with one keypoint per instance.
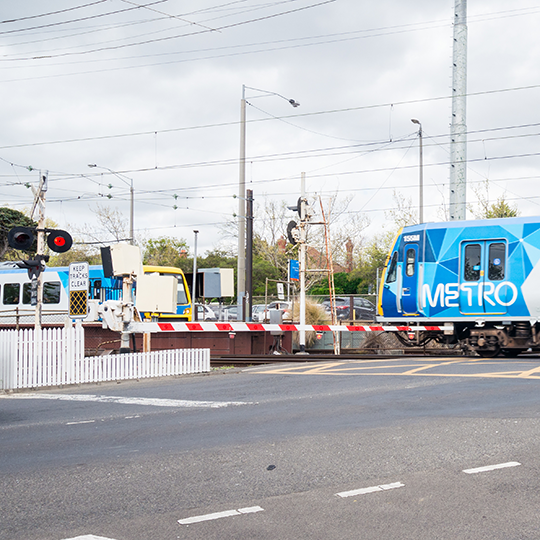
x,y
59,241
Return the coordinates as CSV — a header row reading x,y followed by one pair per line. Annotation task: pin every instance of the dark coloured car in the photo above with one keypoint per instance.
x,y
364,310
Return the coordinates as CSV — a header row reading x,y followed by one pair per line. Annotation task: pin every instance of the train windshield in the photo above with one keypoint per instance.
x,y
181,297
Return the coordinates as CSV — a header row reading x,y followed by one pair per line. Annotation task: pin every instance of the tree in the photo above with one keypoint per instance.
x,y
403,212
344,283
167,251
372,261
112,226
10,218
486,210
78,253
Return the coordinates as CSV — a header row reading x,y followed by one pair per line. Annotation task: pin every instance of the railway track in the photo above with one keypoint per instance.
x,y
239,361
232,360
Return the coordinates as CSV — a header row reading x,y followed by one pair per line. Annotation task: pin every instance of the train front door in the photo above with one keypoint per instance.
x,y
409,289
482,289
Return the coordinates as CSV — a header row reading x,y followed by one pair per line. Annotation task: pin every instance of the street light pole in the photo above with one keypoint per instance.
x,y
241,277
131,200
421,187
194,314
241,274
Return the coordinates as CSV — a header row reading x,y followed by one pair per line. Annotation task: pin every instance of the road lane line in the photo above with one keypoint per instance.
x,y
492,467
154,402
89,537
219,515
372,489
80,422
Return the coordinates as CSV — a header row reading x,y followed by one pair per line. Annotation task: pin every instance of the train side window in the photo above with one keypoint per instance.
x,y
11,293
26,293
95,289
392,269
51,292
497,258
410,260
472,262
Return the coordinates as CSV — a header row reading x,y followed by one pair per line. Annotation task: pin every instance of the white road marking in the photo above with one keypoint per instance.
x,y
492,467
218,515
80,422
89,537
155,402
364,491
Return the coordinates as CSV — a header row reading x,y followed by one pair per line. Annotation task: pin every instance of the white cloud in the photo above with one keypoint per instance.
x,y
380,65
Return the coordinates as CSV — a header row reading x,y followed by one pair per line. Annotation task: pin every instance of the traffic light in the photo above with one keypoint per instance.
x,y
59,241
21,238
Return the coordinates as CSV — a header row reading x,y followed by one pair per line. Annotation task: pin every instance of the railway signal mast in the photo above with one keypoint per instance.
x,y
458,132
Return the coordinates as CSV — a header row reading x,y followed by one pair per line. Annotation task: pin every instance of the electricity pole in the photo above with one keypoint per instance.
x,y
37,277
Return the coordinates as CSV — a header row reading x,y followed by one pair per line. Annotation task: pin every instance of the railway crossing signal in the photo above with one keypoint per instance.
x,y
22,238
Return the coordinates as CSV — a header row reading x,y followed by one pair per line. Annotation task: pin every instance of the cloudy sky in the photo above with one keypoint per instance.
x,y
151,90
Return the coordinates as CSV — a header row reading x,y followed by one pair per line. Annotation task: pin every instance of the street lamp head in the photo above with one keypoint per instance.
x,y
415,121
294,103
92,165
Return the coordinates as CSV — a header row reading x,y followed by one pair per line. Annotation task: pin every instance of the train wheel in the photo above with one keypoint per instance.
x,y
489,353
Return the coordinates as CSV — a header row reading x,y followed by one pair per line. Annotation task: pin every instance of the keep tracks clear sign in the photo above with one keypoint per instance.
x,y
78,290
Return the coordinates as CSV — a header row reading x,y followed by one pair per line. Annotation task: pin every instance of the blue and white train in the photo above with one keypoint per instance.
x,y
480,277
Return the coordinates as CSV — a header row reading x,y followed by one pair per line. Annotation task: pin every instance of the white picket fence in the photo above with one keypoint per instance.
x,y
55,357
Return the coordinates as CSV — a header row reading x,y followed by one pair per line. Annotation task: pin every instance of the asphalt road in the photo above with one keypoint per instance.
x,y
371,450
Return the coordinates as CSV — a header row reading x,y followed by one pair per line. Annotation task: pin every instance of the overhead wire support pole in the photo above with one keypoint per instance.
x,y
458,132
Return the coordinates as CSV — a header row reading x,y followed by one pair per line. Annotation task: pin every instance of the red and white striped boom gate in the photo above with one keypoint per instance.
x,y
154,327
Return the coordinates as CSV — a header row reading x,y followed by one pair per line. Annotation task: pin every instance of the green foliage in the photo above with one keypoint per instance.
x,y
372,260
217,258
78,253
501,209
343,283
10,218
263,269
167,251
486,210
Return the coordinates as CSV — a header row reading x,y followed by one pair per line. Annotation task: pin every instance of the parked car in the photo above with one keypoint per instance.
x,y
262,315
205,313
364,310
257,312
229,313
